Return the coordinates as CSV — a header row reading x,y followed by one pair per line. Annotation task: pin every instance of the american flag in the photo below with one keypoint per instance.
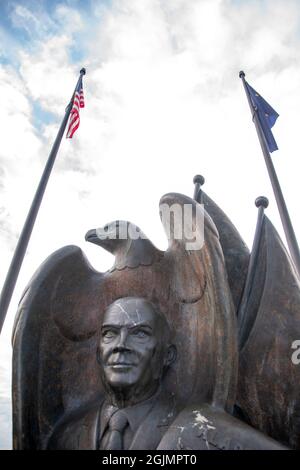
x,y
74,115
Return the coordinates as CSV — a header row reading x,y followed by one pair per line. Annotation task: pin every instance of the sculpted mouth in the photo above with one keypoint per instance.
x,y
119,360
116,364
121,365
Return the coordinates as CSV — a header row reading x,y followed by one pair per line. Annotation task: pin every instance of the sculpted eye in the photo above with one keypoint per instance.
x,y
108,334
140,334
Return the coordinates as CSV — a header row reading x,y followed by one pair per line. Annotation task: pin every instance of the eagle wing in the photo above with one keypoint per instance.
x,y
268,385
54,346
236,252
203,314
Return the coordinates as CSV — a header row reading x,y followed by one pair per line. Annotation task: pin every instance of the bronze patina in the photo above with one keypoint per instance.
x,y
146,355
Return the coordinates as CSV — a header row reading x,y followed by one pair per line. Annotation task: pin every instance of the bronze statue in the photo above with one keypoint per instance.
x,y
146,355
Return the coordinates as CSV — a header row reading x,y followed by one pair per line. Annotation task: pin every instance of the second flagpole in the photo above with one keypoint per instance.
x,y
284,215
16,263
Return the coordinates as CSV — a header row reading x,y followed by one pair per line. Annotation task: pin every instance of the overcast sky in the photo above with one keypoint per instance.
x,y
163,103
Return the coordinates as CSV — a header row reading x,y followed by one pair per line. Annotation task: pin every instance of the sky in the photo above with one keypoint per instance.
x,y
163,102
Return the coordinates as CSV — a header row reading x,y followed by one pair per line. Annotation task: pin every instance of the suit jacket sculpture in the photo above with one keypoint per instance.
x,y
56,375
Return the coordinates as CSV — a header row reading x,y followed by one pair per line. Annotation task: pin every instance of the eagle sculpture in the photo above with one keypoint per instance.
x,y
55,370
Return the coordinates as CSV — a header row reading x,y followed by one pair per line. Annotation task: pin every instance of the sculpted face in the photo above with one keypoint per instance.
x,y
134,346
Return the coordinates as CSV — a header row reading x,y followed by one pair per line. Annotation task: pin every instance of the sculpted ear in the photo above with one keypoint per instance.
x,y
171,355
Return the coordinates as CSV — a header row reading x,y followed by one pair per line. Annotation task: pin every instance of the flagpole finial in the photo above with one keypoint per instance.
x,y
262,201
242,74
199,179
83,71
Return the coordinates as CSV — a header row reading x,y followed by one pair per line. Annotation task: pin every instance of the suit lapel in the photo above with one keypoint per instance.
x,y
104,416
86,431
154,426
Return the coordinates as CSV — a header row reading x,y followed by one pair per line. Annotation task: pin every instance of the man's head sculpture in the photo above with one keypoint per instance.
x,y
134,351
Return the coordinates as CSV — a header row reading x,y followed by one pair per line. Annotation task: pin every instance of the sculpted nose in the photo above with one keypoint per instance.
x,y
122,340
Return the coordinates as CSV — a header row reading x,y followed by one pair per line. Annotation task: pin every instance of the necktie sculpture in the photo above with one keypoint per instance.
x,y
117,425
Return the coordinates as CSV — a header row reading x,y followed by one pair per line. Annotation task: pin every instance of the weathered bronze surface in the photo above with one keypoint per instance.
x,y
177,378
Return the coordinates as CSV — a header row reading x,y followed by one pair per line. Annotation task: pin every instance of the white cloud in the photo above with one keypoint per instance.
x,y
24,18
48,74
163,102
19,151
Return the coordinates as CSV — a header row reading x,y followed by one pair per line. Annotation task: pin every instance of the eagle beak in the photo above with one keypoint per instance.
x,y
91,236
104,241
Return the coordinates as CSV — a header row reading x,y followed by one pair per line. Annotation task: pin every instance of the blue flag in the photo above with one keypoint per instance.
x,y
266,115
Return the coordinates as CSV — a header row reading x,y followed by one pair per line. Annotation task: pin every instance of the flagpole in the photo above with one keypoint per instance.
x,y
198,182
284,215
261,203
16,263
